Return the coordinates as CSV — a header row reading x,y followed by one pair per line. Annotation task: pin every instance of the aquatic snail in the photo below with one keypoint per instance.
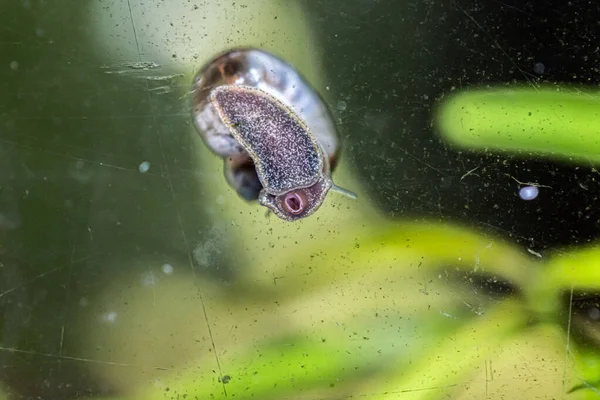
x,y
274,132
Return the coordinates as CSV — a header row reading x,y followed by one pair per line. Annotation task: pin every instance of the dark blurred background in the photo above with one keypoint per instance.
x,y
391,62
74,208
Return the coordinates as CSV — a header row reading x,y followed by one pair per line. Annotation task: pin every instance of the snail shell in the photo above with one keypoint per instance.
x,y
276,135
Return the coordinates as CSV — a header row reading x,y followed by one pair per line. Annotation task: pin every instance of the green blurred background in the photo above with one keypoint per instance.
x,y
439,282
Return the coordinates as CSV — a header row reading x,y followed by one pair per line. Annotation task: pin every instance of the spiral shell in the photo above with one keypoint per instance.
x,y
274,132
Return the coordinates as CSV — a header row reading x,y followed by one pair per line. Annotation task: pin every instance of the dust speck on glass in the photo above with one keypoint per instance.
x,y
139,139
144,167
528,192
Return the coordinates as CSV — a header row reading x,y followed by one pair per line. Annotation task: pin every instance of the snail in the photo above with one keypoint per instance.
x,y
276,136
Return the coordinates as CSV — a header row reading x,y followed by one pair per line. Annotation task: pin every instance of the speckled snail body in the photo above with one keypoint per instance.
x,y
273,130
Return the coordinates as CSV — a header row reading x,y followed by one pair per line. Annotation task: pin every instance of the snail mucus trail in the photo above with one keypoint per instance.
x,y
274,132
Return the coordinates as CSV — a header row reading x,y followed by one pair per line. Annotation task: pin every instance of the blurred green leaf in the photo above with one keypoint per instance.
x,y
450,361
579,267
317,361
397,258
587,373
556,122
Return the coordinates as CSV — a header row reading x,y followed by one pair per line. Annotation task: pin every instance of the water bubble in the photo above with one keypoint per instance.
x,y
529,192
254,76
14,65
80,173
144,167
109,317
594,313
83,302
539,68
341,105
167,269
148,279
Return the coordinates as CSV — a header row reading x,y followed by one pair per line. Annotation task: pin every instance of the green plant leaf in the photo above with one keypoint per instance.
x,y
557,123
578,267
450,361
